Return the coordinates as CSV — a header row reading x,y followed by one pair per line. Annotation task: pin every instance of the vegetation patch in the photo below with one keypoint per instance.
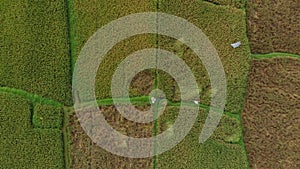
x,y
143,83
85,153
273,26
34,53
46,117
87,18
21,145
221,150
223,26
271,113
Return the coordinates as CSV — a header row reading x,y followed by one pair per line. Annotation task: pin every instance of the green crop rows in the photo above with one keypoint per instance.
x,y
21,145
47,117
34,53
86,19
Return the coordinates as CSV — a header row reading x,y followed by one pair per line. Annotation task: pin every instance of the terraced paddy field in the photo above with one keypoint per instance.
x,y
40,44
271,114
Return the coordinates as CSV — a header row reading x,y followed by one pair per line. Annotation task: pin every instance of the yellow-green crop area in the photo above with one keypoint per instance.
x,y
22,145
87,18
34,53
223,25
224,149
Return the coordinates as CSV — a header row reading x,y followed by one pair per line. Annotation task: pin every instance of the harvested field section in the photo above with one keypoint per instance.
x,y
271,116
34,53
223,26
221,150
142,83
80,145
22,146
87,18
85,153
273,26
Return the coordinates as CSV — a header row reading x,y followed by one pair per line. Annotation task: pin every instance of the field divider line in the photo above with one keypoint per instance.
x,y
30,96
242,140
144,100
139,100
70,33
239,115
275,55
156,122
69,41
65,129
66,140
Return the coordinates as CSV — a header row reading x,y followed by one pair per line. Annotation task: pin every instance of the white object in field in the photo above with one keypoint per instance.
x,y
153,99
196,102
237,44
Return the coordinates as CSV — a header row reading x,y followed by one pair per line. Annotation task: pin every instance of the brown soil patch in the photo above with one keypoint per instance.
x,y
86,154
273,26
142,83
271,115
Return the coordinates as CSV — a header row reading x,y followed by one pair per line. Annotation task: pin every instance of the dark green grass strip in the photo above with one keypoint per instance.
x,y
70,32
65,129
155,134
30,96
273,55
156,87
242,140
141,100
66,140
70,39
239,115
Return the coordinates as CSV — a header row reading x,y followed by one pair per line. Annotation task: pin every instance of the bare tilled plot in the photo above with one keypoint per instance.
x,y
271,115
86,154
273,26
142,83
